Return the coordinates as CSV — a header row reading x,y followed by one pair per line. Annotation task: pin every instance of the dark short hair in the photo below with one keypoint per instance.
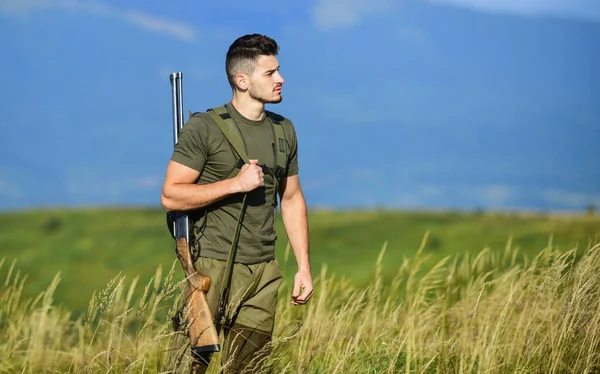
x,y
244,52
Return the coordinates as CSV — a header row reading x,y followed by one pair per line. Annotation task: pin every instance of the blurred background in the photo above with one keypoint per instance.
x,y
459,104
414,105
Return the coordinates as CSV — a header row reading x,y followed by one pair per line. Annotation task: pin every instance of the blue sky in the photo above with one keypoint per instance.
x,y
410,104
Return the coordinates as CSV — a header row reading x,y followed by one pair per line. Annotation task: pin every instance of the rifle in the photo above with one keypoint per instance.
x,y
204,339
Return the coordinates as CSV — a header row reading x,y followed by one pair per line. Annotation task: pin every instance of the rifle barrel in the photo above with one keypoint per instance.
x,y
181,228
177,94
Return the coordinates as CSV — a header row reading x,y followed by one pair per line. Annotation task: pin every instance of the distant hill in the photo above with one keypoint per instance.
x,y
89,247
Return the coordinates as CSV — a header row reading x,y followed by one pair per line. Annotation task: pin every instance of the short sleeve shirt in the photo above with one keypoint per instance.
x,y
203,147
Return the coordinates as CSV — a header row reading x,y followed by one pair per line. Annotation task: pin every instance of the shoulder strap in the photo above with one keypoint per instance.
x,y
228,127
230,130
279,137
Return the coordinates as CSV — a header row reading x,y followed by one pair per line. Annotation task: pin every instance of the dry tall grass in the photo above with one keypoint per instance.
x,y
493,313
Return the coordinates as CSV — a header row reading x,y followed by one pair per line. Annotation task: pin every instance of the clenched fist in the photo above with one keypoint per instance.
x,y
250,177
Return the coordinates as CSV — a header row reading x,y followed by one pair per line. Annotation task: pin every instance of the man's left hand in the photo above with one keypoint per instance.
x,y
303,288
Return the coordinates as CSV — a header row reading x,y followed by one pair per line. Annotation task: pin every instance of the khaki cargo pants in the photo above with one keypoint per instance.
x,y
250,316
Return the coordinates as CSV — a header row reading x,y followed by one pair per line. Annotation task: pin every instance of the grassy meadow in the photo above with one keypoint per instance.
x,y
396,292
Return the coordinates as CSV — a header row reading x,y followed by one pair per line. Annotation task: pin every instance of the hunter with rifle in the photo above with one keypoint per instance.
x,y
228,169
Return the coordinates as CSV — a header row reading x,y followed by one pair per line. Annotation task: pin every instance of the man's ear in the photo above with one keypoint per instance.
x,y
241,81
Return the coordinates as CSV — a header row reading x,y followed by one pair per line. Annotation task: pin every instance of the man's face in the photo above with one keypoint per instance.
x,y
265,83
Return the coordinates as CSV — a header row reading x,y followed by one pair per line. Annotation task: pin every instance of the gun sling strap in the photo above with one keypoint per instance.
x,y
230,130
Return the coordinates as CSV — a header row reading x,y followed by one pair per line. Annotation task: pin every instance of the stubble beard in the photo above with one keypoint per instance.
x,y
258,97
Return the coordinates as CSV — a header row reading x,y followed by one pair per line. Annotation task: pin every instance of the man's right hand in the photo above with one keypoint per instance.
x,y
250,177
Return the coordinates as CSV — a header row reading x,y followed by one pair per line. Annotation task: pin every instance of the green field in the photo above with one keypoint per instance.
x,y
485,293
89,247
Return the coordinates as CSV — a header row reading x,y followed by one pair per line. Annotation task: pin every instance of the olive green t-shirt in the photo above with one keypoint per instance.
x,y
203,147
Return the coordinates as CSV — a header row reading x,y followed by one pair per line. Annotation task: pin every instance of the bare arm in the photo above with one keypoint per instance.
x,y
295,221
180,191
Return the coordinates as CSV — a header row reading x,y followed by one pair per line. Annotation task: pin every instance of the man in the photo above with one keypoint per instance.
x,y
197,180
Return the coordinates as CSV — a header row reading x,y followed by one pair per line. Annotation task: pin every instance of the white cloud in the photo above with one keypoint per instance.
x,y
495,194
492,196
571,199
488,195
140,19
10,190
586,9
331,14
148,182
322,182
24,6
411,35
502,196
428,190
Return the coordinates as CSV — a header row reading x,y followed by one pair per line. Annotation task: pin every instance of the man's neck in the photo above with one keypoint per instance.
x,y
248,107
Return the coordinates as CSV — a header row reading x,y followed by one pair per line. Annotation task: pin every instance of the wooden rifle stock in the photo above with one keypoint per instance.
x,y
204,338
